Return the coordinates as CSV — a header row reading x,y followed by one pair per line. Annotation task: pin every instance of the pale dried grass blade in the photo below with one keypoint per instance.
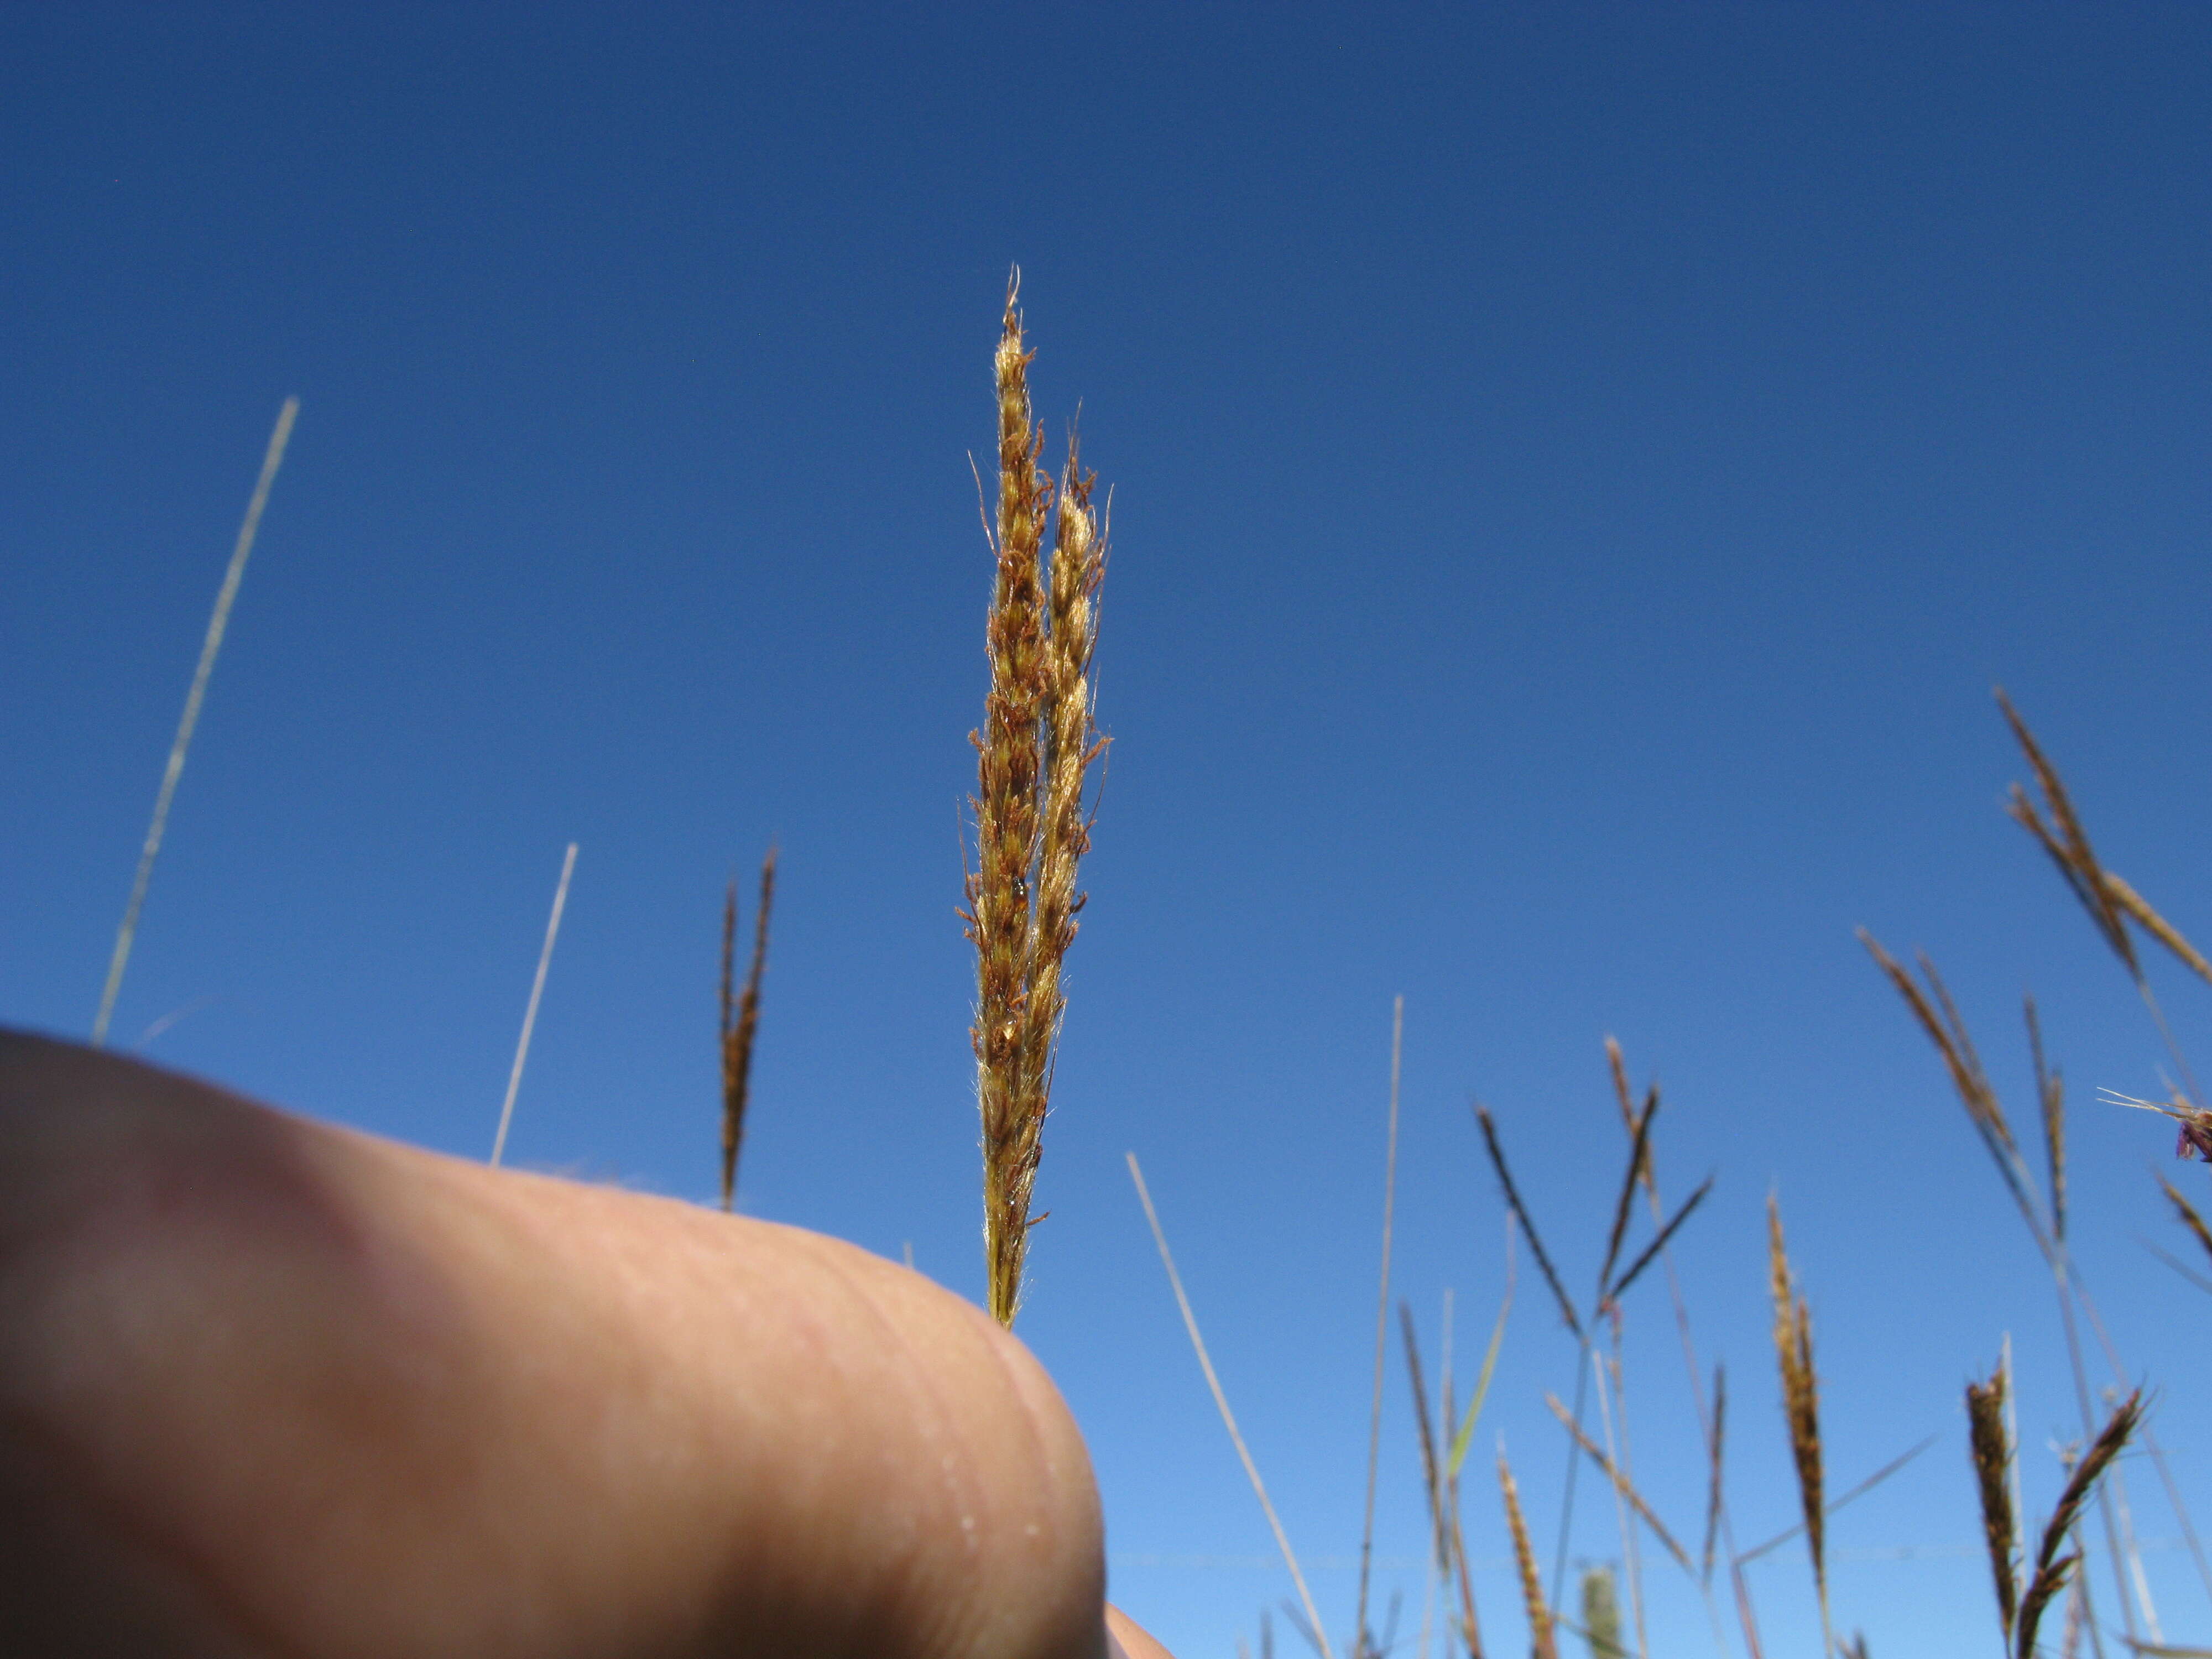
x,y
210,647
530,1014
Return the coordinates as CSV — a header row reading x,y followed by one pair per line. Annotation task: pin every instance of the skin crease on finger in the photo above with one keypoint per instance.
x,y
268,1387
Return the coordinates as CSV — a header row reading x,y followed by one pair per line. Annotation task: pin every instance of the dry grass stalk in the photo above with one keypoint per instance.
x,y
210,647
1036,742
1836,1506
1520,1214
2053,1569
1991,1443
1621,1484
1801,1400
1360,1643
530,1013
740,1016
1319,1637
1542,1644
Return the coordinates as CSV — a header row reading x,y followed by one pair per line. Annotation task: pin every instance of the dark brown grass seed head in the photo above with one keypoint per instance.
x,y
1991,1450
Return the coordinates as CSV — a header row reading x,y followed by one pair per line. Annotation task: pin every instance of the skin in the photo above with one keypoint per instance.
x,y
271,1388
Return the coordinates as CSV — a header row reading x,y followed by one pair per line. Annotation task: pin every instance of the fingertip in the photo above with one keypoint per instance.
x,y
1127,1639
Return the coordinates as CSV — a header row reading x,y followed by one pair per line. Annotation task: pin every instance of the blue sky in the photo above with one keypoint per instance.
x,y
1578,472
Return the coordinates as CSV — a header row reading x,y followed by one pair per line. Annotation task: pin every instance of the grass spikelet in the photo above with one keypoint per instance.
x,y
1036,742
1540,1643
2187,1211
2050,1095
2066,840
1801,1401
740,1016
1621,1484
2053,1569
1990,1445
1713,1493
1660,1242
1639,1146
1938,1018
2138,907
1520,1214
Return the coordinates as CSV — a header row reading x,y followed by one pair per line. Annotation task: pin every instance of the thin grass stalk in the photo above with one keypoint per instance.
x,y
1708,1424
1540,1643
1801,1397
2053,1569
530,1013
1991,1446
1228,1418
210,647
1621,1484
1381,1326
740,1019
1837,1505
1610,1381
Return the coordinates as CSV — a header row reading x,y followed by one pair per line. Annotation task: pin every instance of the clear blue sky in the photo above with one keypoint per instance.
x,y
1578,472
